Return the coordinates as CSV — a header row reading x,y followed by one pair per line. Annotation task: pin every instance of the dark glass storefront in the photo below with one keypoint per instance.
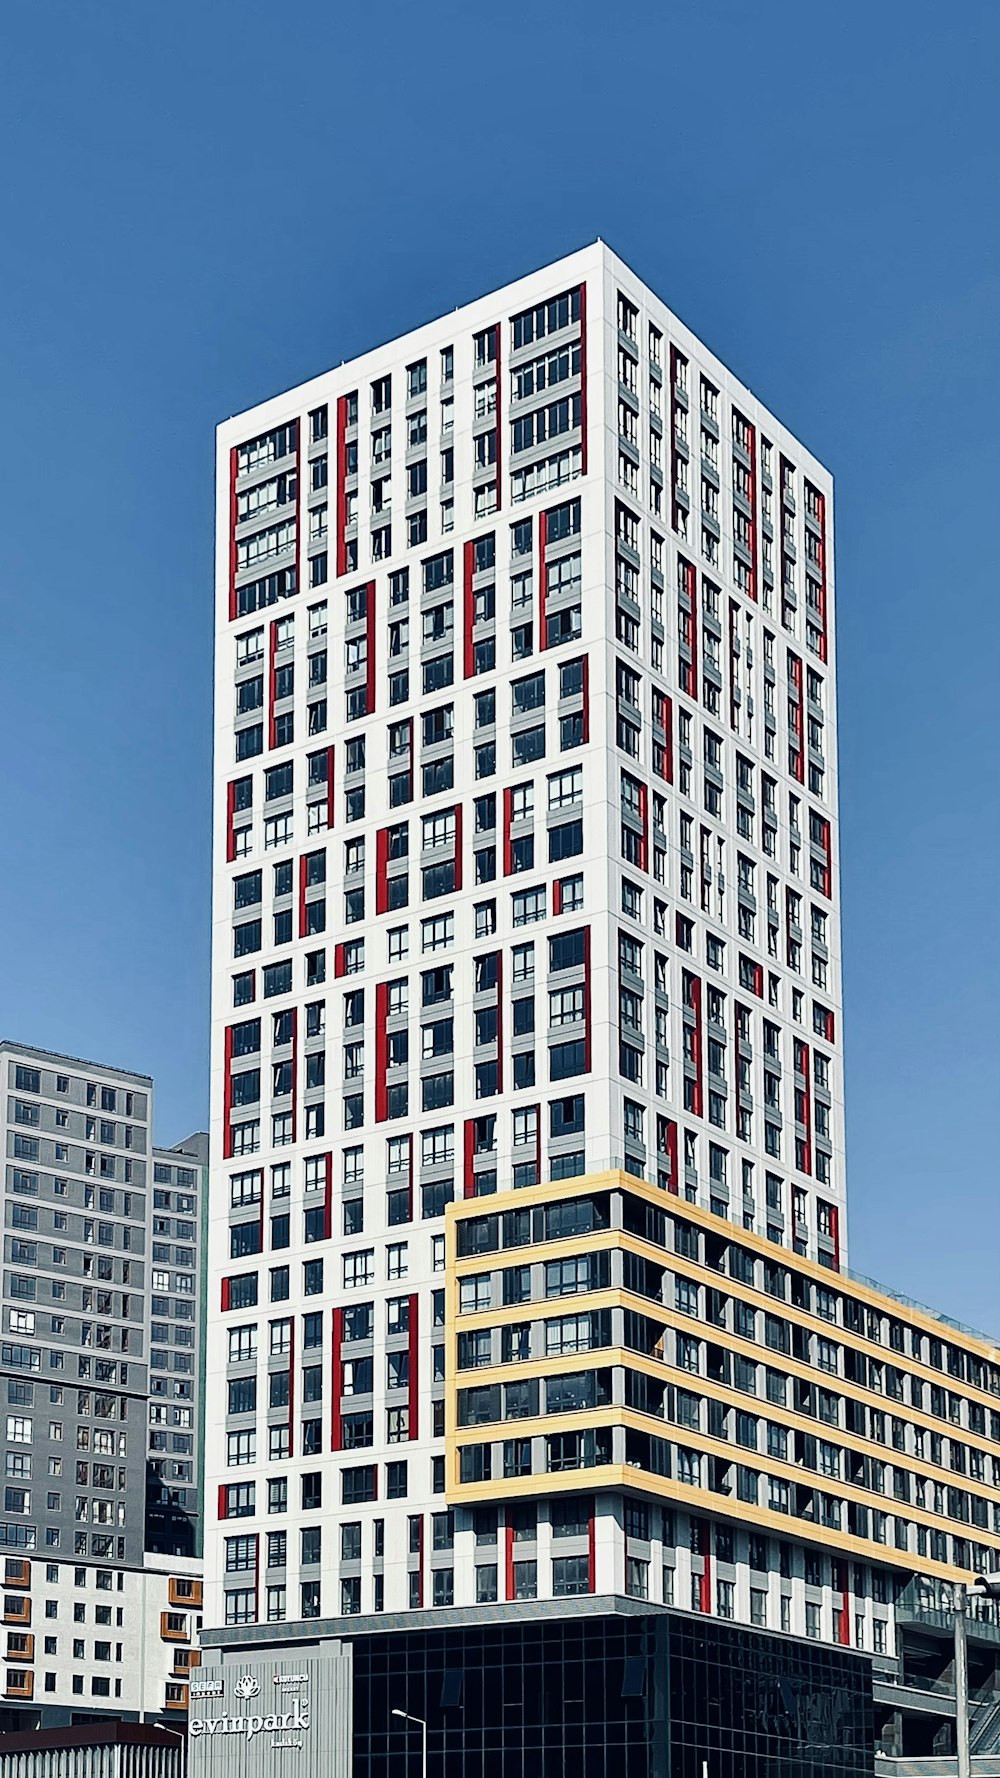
x,y
610,1696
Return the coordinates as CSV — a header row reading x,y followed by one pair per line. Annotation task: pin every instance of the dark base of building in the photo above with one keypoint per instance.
x,y
607,1691
26,1718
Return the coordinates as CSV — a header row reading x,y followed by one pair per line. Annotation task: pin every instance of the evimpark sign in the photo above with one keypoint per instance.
x,y
303,1712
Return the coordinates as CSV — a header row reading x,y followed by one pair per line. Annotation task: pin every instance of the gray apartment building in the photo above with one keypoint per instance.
x,y
101,1581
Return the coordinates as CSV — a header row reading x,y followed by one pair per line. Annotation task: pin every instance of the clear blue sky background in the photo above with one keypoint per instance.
x,y
206,202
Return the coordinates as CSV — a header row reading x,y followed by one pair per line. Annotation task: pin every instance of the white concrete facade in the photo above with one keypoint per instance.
x,y
687,1024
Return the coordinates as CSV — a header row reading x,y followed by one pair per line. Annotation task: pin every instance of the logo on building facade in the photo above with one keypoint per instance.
x,y
247,1686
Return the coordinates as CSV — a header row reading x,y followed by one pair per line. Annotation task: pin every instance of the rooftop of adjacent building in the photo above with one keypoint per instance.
x,y
107,1732
193,1147
54,1059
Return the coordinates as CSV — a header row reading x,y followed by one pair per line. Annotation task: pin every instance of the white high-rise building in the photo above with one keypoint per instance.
x,y
525,877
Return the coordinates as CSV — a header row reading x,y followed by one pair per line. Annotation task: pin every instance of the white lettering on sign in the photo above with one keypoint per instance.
x,y
249,1726
206,1688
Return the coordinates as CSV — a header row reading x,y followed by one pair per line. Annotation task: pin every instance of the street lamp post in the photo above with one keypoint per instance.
x,y
423,1737
985,1586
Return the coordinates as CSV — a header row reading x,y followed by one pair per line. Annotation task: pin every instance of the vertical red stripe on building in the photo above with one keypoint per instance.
x,y
413,1380
272,673
468,1159
692,590
468,605
644,818
499,1021
797,716
585,689
458,846
842,1585
370,648
340,960
543,577
697,1058
807,1107
295,1073
291,1385
835,1232
508,815
230,829
508,1561
557,896
705,1587
330,761
224,1294
227,1098
233,462
752,453
734,681
341,474
381,1052
222,1509
499,401
328,1198
336,1380
672,1169
381,869
583,379
303,884
587,1035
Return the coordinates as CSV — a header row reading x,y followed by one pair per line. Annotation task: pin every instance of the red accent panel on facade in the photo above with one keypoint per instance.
x,y
824,845
734,682
295,1073
797,719
816,567
336,1380
499,402
468,560
697,1058
689,627
644,818
233,461
675,1184
230,830
752,452
841,1583
341,473
224,1294
339,960
585,686
499,1021
543,577
221,1510
807,1108
227,1098
370,633
557,896
587,1038
413,1350
272,672
303,883
591,1554
705,1586
291,1385
835,1232
328,1199
583,386
458,846
468,1163
381,1051
508,1562
329,786
508,815
381,870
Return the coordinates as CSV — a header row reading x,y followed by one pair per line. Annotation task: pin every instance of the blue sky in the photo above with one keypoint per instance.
x,y
205,203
